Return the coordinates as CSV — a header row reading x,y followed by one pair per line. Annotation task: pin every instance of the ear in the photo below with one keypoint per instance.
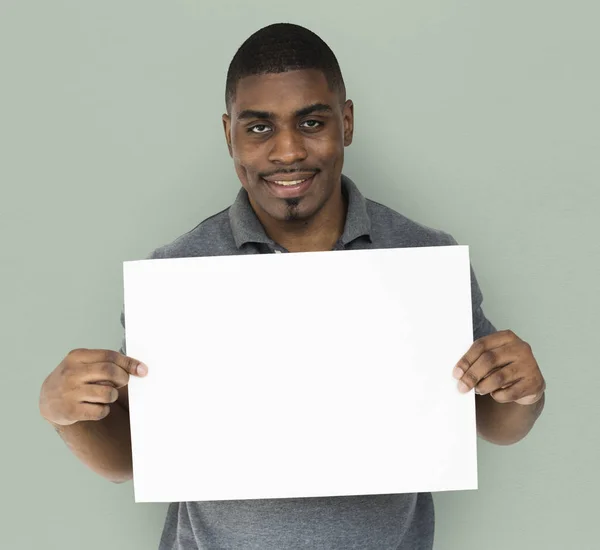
x,y
348,117
227,129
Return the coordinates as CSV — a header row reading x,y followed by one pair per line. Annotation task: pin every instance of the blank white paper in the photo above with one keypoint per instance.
x,y
300,374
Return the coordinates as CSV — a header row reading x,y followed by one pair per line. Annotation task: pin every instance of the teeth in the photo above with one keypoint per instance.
x,y
287,183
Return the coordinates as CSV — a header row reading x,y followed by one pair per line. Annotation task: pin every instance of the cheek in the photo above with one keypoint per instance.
x,y
242,174
331,148
246,158
330,154
243,163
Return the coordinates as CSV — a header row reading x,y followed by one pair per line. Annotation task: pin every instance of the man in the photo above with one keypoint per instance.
x,y
287,124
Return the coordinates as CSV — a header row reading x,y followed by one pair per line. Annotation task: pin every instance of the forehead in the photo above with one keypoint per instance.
x,y
282,93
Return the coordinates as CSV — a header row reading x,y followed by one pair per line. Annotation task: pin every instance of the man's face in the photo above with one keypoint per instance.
x,y
284,128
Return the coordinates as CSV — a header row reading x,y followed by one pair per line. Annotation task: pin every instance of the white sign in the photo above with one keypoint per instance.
x,y
300,374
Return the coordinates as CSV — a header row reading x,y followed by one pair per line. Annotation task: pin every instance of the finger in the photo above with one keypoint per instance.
x,y
92,411
128,364
530,399
498,379
488,363
106,372
519,390
534,396
479,347
97,393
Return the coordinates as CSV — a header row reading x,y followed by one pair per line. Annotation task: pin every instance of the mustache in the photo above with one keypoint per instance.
x,y
288,172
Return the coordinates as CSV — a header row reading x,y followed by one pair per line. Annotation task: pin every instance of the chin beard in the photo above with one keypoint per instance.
x,y
292,209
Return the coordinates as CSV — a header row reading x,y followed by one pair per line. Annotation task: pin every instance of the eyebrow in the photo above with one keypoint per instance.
x,y
314,108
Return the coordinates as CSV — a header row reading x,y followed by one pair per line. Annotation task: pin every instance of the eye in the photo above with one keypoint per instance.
x,y
314,123
259,129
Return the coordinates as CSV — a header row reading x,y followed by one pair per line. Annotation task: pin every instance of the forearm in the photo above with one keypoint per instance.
x,y
104,445
505,423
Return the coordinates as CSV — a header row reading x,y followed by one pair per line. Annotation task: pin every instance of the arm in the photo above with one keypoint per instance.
x,y
503,417
509,387
505,423
105,445
85,399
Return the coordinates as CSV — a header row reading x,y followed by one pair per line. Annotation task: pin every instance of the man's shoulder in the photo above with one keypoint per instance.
x,y
211,237
390,228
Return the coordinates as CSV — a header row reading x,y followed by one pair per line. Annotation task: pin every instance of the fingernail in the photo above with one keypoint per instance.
x,y
462,387
142,369
457,373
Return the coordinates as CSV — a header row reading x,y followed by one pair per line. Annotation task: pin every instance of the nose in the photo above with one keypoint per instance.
x,y
288,148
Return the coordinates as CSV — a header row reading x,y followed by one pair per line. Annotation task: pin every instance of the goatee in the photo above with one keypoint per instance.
x,y
292,209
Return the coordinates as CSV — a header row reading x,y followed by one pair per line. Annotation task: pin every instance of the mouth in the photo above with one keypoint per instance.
x,y
287,189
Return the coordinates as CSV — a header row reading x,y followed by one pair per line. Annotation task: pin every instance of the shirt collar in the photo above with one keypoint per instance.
x,y
247,228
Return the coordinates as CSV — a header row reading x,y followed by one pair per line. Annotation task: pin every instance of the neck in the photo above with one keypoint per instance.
x,y
319,233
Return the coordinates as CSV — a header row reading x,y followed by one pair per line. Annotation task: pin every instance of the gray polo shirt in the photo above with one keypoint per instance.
x,y
373,522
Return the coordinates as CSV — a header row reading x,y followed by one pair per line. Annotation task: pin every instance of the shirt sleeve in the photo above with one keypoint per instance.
x,y
482,326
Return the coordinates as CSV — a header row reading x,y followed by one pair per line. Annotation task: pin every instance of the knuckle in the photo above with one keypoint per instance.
x,y
76,352
122,379
72,375
463,365
537,386
102,392
509,333
499,378
65,369
112,356
97,412
70,412
109,394
118,382
72,363
470,378
86,413
488,358
524,349
107,369
521,392
518,391
65,381
479,346
129,364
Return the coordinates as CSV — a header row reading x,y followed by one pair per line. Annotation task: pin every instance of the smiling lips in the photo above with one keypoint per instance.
x,y
285,188
287,183
291,179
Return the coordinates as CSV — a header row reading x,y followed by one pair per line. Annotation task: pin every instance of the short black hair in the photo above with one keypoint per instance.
x,y
279,48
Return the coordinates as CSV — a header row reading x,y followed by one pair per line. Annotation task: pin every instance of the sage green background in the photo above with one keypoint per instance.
x,y
477,117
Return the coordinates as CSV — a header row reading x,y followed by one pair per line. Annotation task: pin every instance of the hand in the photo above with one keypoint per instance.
x,y
503,366
84,384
